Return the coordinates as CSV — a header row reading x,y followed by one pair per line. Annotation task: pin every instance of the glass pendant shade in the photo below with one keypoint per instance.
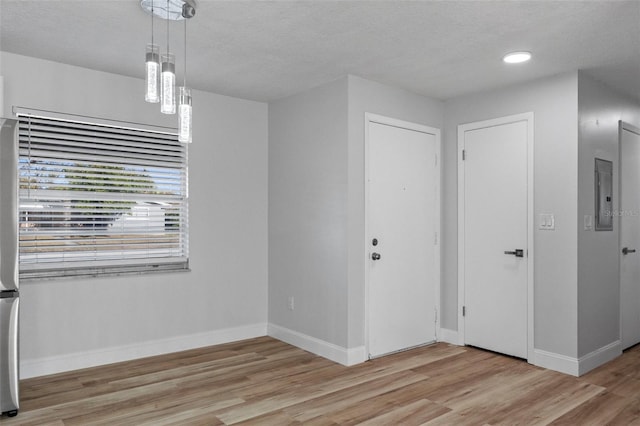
x,y
184,115
168,82
152,94
160,69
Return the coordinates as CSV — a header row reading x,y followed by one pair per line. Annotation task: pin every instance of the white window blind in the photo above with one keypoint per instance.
x,y
100,199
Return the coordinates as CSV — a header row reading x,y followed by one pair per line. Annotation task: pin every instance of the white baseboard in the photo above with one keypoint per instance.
x,y
74,361
577,366
599,356
319,347
553,361
448,336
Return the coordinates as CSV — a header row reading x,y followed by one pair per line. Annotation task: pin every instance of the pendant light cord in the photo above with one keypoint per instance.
x,y
167,27
152,22
185,53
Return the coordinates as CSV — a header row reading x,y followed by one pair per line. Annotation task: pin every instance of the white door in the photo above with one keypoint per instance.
x,y
630,234
494,227
403,218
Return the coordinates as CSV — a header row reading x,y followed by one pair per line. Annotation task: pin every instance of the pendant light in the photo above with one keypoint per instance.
x,y
168,79
161,68
184,101
152,71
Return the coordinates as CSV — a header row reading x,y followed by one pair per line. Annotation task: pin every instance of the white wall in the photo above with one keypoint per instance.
x,y
308,213
599,108
554,104
309,242
369,96
72,323
316,209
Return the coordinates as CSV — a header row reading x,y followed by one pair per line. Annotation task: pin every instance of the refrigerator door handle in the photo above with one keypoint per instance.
x,y
13,352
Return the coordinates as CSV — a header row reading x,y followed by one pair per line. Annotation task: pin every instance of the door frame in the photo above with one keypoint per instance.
x,y
370,118
528,117
622,126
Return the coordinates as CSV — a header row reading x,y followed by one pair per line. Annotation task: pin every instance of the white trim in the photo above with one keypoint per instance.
x,y
1,96
621,128
577,366
365,256
530,233
375,118
552,361
528,117
19,111
74,361
319,347
630,127
599,357
448,336
461,232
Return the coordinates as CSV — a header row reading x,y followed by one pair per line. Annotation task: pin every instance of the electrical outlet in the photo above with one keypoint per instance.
x,y
290,303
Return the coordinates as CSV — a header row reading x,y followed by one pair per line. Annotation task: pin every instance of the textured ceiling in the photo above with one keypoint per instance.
x,y
265,50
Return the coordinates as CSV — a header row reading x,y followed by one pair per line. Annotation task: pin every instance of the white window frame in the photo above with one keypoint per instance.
x,y
100,230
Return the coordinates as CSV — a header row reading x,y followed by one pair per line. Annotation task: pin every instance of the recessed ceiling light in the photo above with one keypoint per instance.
x,y
516,57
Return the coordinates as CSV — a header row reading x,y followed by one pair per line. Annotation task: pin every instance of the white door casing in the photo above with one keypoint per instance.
x,y
629,234
402,211
495,218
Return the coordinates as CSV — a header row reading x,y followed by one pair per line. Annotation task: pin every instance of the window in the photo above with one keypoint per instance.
x,y
98,199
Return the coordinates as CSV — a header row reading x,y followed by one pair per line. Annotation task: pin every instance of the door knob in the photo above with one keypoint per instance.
x,y
375,256
516,252
627,250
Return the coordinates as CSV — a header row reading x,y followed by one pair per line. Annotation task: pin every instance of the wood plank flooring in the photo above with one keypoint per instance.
x,y
267,382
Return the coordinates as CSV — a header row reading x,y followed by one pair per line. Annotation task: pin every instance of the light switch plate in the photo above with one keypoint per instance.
x,y
547,222
588,222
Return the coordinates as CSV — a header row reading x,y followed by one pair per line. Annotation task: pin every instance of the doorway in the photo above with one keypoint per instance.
x,y
495,235
629,234
402,229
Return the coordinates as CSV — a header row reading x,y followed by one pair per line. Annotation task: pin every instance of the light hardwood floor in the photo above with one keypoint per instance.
x,y
266,382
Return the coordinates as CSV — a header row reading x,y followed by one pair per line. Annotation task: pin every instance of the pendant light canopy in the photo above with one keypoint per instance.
x,y
173,11
161,68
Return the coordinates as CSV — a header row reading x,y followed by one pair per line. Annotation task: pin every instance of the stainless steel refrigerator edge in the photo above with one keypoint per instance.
x,y
9,286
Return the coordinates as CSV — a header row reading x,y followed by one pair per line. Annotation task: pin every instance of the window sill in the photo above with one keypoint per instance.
x,y
84,273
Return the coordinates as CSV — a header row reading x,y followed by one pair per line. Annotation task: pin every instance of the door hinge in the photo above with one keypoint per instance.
x,y
436,155
464,154
464,311
435,239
